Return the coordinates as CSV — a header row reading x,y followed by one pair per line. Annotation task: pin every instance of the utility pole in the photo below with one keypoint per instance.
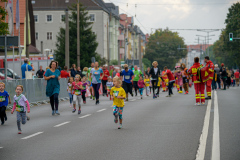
x,y
119,60
27,40
78,37
67,40
133,49
108,45
140,53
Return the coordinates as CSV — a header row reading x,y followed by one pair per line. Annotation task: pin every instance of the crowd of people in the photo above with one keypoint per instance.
x,y
118,83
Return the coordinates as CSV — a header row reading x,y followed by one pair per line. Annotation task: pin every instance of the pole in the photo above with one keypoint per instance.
x,y
133,49
5,65
119,60
78,37
208,42
27,45
42,48
140,53
19,47
108,44
67,40
13,35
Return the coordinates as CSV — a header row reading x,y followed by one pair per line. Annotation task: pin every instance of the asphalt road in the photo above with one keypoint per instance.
x,y
159,129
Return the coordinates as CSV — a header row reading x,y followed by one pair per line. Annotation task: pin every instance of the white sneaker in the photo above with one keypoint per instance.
x,y
120,126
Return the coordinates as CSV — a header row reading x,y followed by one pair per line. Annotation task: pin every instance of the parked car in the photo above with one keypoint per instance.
x,y
10,73
2,77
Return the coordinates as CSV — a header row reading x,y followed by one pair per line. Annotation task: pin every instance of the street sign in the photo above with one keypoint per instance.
x,y
11,40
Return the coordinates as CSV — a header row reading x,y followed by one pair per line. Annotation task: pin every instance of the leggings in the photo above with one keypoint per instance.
x,y
54,100
77,98
170,85
21,117
104,86
2,113
154,85
96,90
70,98
83,96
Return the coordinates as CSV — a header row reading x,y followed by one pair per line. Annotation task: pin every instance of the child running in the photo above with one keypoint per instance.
x,y
118,95
69,89
109,86
147,84
20,103
84,87
76,91
4,101
141,85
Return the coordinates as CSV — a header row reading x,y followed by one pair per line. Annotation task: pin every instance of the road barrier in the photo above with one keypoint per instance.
x,y
35,89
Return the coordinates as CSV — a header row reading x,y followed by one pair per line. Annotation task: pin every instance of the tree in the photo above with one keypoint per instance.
x,y
146,63
113,62
3,25
162,47
88,43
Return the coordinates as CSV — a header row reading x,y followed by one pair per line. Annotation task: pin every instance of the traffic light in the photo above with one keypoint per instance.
x,y
230,36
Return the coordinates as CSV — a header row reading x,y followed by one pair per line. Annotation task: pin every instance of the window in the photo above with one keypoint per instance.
x,y
92,18
49,35
49,18
35,18
36,35
62,17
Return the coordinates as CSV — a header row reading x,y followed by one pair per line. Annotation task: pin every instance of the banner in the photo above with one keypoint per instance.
x,y
17,15
10,16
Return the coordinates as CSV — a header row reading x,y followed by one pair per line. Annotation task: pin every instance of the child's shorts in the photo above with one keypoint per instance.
x,y
90,83
118,110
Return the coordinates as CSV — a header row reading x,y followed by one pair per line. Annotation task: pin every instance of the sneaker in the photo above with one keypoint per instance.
x,y
84,102
79,111
97,102
57,113
141,97
28,118
5,118
107,95
120,126
169,95
132,95
2,123
19,132
74,110
158,95
91,97
197,104
70,106
203,103
53,113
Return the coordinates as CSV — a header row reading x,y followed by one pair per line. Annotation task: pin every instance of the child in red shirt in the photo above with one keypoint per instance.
x,y
141,85
76,92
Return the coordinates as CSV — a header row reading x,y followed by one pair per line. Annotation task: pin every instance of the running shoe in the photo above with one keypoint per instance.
x,y
74,110
169,95
120,126
79,111
107,95
6,118
70,106
53,113
2,123
84,102
141,97
93,98
19,132
197,104
203,103
115,119
57,113
97,102
132,95
28,118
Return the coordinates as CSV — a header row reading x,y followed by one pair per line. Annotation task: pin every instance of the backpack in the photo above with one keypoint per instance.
x,y
202,73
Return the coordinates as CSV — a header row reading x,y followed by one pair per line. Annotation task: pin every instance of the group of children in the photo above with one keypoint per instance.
x,y
21,105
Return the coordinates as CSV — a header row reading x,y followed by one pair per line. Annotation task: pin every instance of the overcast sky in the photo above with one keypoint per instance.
x,y
181,14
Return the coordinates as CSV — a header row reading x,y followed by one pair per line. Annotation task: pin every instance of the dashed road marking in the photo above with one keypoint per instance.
x,y
1,147
132,100
85,116
101,110
203,138
61,124
35,134
216,139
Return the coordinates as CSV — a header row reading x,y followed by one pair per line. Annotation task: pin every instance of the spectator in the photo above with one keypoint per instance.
x,y
85,72
73,70
40,72
114,72
217,70
79,71
65,73
236,75
148,72
26,67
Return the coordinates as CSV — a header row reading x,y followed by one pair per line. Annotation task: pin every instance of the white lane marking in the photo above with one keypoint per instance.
x,y
85,116
145,96
35,134
216,139
203,138
132,100
61,124
1,147
101,110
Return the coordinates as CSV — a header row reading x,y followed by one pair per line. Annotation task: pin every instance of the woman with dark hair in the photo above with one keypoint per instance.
x,y
52,76
73,70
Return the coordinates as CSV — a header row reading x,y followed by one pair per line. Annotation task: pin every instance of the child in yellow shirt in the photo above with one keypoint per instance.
x,y
159,85
118,95
147,84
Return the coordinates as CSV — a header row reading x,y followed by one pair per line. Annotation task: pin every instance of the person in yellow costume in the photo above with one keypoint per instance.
x,y
147,84
164,82
118,95
159,86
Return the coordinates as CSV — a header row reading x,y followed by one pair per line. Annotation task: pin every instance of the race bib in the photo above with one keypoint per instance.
x,y
19,108
115,93
2,99
77,92
84,87
147,82
127,77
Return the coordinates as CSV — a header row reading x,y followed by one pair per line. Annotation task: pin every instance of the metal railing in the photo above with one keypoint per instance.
x,y
35,89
